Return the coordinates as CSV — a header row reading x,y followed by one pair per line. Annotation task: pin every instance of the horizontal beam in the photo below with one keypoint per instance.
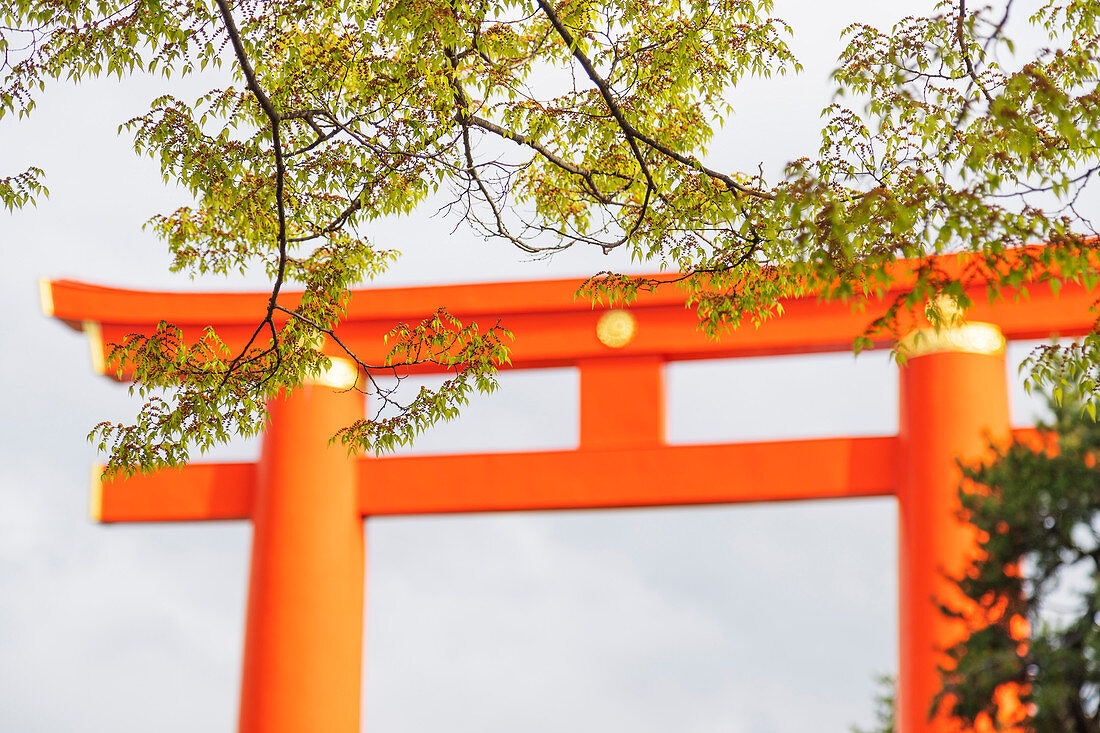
x,y
582,479
579,479
196,492
75,301
553,329
569,337
640,477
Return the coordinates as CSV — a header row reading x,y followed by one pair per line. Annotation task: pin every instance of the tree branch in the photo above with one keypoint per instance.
x,y
633,135
960,37
585,173
280,176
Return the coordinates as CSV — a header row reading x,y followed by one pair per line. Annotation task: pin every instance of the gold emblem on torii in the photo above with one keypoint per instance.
x,y
616,328
954,334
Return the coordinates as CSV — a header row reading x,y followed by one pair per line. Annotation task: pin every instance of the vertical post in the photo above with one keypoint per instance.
x,y
622,402
304,631
954,400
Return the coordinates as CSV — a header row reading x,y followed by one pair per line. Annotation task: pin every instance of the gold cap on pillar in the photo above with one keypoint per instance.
x,y
341,374
956,335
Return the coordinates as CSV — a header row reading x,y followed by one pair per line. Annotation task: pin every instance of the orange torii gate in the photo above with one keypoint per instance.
x,y
307,500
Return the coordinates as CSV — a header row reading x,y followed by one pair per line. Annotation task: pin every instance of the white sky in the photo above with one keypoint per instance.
x,y
733,619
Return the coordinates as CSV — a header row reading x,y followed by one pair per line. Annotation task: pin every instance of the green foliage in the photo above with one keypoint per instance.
x,y
22,189
1039,511
884,706
580,123
445,341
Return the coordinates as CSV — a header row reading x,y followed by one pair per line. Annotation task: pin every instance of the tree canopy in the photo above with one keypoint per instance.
x,y
1035,587
581,123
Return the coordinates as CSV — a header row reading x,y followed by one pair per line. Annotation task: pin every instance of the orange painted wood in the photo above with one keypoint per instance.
x,y
663,476
76,301
628,477
304,631
493,482
551,326
199,491
622,402
508,481
952,405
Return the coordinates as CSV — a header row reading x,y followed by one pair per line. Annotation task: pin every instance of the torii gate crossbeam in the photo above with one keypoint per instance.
x,y
306,500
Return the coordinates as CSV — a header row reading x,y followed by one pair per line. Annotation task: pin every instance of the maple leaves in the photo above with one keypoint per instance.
x,y
585,124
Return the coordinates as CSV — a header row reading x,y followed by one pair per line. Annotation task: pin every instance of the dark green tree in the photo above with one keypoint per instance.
x,y
1038,514
884,706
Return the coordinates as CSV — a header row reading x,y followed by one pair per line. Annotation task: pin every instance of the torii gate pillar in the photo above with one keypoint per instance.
x,y
304,634
954,400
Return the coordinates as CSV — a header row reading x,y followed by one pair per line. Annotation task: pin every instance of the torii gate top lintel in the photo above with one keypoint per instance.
x,y
553,327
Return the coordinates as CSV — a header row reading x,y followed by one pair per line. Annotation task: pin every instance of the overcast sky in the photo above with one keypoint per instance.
x,y
733,619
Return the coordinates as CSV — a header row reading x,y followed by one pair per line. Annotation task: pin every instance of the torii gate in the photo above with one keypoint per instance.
x,y
307,501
